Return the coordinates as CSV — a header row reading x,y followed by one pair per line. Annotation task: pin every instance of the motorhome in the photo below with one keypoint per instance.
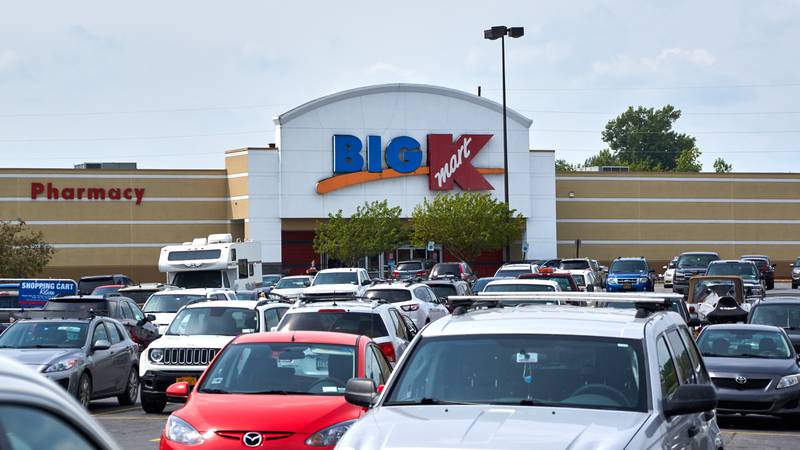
x,y
213,262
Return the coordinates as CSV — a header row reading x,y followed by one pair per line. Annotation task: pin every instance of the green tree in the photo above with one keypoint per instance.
x,y
720,166
604,158
563,166
24,251
466,223
374,228
643,139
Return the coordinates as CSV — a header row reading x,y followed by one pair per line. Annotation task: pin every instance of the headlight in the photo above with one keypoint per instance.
x,y
62,365
410,307
179,430
796,270
612,280
788,381
330,435
643,280
156,355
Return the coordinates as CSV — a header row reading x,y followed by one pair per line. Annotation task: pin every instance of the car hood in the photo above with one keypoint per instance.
x,y
304,414
481,427
288,292
737,366
326,288
638,274
191,341
39,357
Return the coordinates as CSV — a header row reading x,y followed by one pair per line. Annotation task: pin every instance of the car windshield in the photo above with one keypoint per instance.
x,y
338,320
580,280
528,370
511,273
199,279
695,261
291,283
45,335
480,284
216,321
169,303
745,270
784,316
281,369
246,295
335,278
563,282
575,265
710,290
407,266
270,280
743,343
628,266
443,290
390,295
522,287
139,296
761,263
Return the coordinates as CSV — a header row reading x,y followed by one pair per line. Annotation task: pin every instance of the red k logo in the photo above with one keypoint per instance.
x,y
450,162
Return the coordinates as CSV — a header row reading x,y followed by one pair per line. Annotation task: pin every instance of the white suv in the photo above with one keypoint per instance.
x,y
197,333
537,376
514,270
162,306
416,301
378,320
345,281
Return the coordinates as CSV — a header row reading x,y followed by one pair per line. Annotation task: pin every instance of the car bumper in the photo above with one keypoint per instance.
x,y
155,383
639,287
215,441
757,401
795,276
68,379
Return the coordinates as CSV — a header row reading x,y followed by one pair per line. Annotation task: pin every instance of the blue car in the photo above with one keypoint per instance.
x,y
630,275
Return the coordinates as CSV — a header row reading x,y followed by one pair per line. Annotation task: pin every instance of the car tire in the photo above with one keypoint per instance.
x,y
794,285
153,404
771,285
84,391
131,392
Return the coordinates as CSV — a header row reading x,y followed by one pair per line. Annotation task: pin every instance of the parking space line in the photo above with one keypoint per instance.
x,y
115,411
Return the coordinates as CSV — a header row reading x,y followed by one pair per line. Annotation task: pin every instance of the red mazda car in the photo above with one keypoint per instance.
x,y
274,390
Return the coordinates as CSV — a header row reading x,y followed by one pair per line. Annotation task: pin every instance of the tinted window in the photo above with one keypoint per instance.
x,y
271,318
695,261
188,255
481,283
410,266
86,286
217,321
45,335
291,283
199,279
390,295
575,265
114,333
668,375
518,288
744,270
305,368
699,371
125,310
169,303
511,273
563,282
399,325
366,324
784,316
50,432
105,290
627,266
685,368
445,269
743,344
336,278
524,369
444,290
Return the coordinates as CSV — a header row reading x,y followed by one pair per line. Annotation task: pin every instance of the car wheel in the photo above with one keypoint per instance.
x,y
771,285
85,390
131,393
794,285
152,404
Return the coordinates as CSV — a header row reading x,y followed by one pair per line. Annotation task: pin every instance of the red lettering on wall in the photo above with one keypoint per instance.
x,y
51,192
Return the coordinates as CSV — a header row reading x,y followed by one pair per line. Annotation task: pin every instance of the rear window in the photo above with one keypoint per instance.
x,y
77,306
365,324
511,273
444,269
188,255
575,265
444,290
390,295
518,288
410,266
696,261
563,282
744,270
86,286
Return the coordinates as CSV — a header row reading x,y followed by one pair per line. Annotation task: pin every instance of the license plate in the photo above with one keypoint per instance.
x,y
191,380
627,286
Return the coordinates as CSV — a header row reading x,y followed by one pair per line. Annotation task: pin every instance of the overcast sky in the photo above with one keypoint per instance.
x,y
174,84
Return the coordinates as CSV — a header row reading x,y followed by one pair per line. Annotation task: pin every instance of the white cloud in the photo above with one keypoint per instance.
x,y
9,61
667,59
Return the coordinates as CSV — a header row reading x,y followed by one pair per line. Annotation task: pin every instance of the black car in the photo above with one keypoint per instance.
x,y
782,312
123,309
90,356
412,269
87,284
690,264
459,270
765,268
445,288
139,293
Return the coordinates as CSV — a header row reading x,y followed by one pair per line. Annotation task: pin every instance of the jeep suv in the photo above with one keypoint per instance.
x,y
544,376
690,264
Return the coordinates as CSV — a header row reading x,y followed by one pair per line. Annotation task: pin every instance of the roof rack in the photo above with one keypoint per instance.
x,y
48,315
645,304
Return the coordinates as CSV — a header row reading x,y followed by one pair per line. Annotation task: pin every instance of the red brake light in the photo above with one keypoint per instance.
x,y
420,273
691,309
546,270
388,350
331,310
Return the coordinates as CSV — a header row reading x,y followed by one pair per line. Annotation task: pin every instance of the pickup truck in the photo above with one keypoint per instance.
x,y
690,264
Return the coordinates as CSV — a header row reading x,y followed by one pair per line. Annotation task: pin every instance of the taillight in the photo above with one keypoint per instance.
x,y
420,273
691,309
409,307
396,273
388,350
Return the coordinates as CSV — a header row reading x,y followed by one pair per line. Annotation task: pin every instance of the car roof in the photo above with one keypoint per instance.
x,y
340,269
444,281
244,304
740,326
97,277
522,265
731,261
147,287
397,286
353,305
530,281
575,259
778,301
755,256
297,276
317,337
630,258
193,291
699,253
553,274
543,319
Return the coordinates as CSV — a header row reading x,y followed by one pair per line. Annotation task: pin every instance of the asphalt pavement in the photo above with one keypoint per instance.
x,y
133,429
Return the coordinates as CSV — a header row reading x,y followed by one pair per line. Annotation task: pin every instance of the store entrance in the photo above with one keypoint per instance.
x,y
409,253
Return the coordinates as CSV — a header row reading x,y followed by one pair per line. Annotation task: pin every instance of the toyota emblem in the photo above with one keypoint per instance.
x,y
252,439
741,380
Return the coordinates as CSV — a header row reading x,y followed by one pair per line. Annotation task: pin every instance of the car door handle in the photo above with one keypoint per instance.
x,y
693,430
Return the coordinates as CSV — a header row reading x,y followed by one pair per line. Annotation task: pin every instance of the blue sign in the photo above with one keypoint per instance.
x,y
403,154
34,293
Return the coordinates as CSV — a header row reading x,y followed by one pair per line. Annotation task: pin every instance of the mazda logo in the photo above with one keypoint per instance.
x,y
741,380
252,439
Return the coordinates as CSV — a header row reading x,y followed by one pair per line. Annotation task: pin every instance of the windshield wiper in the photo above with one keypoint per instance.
x,y
45,346
432,401
213,391
750,355
526,402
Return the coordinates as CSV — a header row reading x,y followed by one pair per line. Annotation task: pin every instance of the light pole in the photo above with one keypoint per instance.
x,y
500,32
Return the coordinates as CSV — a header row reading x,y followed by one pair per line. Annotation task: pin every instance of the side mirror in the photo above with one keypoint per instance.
x,y
102,344
664,267
178,392
690,399
306,283
590,288
360,392
694,321
150,317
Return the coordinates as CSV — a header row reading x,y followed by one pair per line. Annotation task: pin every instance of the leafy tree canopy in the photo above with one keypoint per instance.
x,y
720,166
24,251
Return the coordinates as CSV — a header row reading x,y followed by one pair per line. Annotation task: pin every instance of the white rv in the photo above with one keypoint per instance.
x,y
213,262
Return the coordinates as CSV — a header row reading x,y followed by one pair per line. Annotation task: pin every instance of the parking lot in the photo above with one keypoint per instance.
x,y
135,430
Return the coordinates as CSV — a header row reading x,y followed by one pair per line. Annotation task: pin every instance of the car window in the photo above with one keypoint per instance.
x,y
366,324
697,363
422,294
744,343
390,295
28,428
666,368
372,368
685,367
400,327
114,333
100,334
386,368
125,311
271,318
137,312
217,321
779,315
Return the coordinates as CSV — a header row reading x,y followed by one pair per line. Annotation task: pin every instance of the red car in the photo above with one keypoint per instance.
x,y
564,279
274,390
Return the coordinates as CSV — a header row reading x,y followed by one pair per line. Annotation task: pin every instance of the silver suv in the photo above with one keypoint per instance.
x,y
544,376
